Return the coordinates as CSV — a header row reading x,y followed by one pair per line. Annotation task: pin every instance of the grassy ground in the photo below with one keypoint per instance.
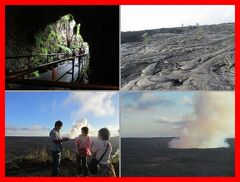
x,y
30,156
39,163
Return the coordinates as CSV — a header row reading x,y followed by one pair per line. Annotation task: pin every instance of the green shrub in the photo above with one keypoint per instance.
x,y
68,154
145,38
115,162
58,37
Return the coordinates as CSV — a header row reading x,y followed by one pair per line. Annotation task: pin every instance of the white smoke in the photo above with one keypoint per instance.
x,y
76,128
99,104
210,124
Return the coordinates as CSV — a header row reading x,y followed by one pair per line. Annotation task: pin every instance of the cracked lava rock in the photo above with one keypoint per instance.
x,y
184,58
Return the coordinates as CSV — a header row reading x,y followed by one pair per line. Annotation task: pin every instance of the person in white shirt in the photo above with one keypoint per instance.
x,y
98,149
56,149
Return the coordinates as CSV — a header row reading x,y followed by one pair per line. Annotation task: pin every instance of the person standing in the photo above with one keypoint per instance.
x,y
102,150
83,144
56,149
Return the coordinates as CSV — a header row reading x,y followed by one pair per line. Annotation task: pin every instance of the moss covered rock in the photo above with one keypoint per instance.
x,y
61,36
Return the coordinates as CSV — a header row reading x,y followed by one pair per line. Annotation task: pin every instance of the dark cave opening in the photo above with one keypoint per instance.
x,y
99,27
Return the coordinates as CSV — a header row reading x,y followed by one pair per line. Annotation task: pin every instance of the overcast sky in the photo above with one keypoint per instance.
x,y
166,114
142,17
34,113
153,114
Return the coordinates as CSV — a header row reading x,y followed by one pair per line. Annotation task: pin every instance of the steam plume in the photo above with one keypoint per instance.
x,y
76,129
211,123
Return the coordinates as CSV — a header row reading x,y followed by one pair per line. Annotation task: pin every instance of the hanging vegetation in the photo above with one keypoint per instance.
x,y
62,36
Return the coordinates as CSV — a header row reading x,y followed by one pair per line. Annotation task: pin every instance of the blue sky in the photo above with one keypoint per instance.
x,y
143,114
34,113
142,17
154,114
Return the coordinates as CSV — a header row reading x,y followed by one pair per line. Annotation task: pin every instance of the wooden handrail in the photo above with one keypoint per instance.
x,y
15,75
34,55
27,71
69,85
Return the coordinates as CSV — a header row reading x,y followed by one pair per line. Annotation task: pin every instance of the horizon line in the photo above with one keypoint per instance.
x,y
168,137
174,27
45,136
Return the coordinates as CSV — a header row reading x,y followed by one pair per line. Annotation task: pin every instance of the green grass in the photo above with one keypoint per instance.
x,y
38,163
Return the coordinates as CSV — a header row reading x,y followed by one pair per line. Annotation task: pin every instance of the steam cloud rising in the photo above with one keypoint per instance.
x,y
211,123
76,129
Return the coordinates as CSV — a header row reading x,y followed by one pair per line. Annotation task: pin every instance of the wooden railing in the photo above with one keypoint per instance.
x,y
34,55
81,61
72,85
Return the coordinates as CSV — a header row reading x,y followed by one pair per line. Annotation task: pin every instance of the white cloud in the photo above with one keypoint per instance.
x,y
138,128
144,102
76,129
114,130
187,101
168,119
152,98
33,130
93,131
141,17
97,103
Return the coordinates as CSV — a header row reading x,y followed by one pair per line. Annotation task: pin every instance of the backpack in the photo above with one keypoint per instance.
x,y
93,164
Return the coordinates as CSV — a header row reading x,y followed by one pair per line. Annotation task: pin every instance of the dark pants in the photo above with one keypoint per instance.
x,y
82,165
56,157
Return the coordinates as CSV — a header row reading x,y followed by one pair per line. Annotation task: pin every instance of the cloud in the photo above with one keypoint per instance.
x,y
97,103
114,130
208,117
212,122
149,100
187,101
33,130
138,128
144,101
76,129
177,123
153,16
164,120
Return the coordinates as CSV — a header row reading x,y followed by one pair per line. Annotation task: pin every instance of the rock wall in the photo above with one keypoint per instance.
x,y
61,36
